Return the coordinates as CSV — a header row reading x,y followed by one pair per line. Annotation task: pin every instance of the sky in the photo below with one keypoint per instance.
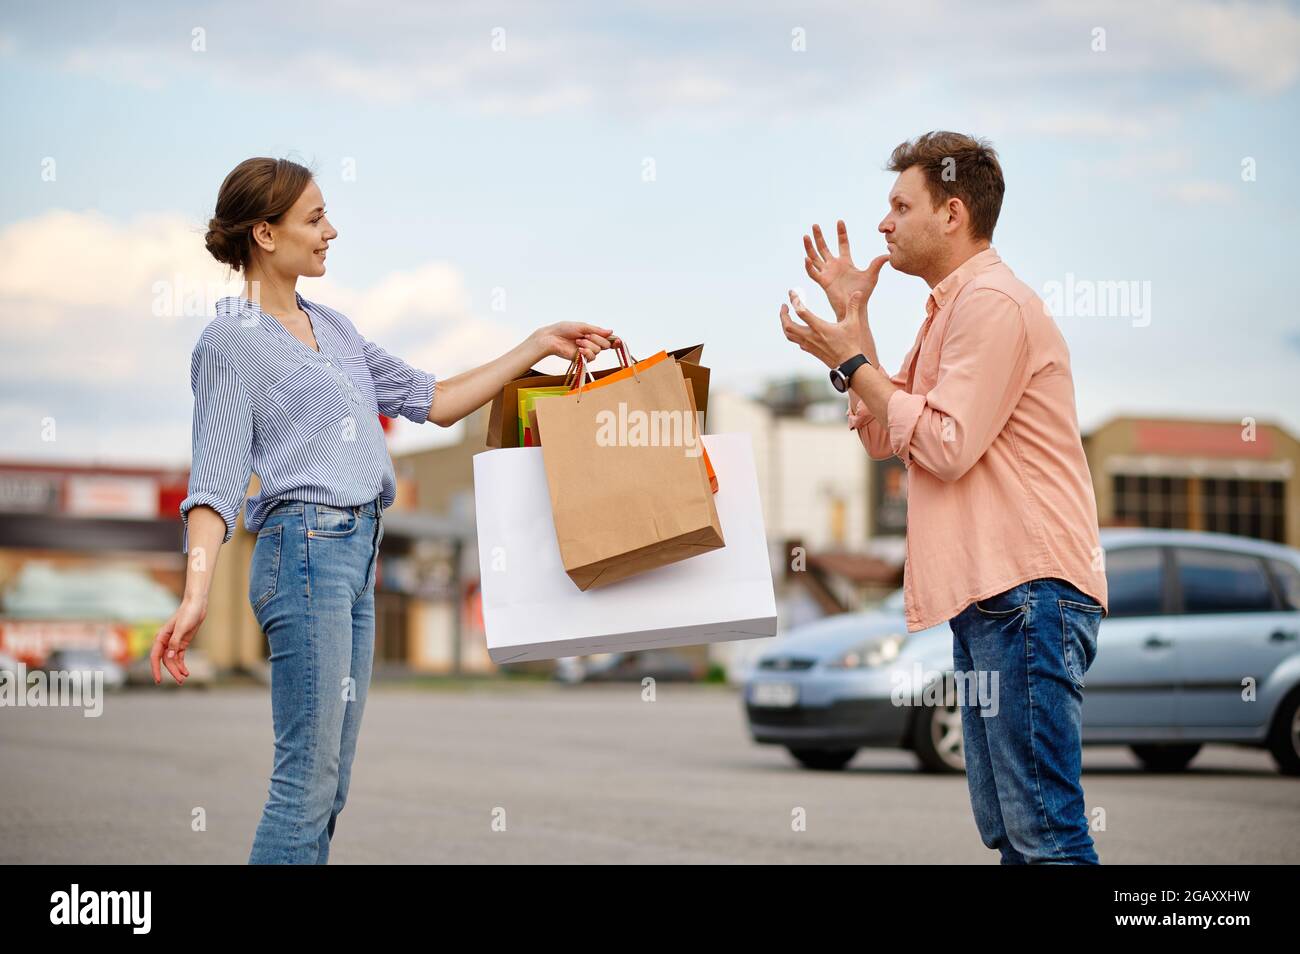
x,y
650,167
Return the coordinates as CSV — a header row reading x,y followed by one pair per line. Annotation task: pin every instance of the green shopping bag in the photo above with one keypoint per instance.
x,y
527,398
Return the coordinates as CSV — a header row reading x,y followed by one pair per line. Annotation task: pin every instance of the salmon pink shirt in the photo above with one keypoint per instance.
x,y
998,487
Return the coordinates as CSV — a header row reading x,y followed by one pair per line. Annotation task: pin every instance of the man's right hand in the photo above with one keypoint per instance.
x,y
836,274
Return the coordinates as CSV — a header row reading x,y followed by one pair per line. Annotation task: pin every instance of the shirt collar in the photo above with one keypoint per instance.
x,y
946,290
236,305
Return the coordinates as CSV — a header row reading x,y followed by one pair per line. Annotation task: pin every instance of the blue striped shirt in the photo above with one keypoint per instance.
x,y
305,422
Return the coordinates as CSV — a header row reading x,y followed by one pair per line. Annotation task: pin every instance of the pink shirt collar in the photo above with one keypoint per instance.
x,y
947,289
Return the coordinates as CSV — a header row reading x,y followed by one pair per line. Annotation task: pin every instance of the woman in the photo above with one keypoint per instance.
x,y
287,387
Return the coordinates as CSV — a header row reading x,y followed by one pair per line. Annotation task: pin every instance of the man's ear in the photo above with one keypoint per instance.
x,y
957,216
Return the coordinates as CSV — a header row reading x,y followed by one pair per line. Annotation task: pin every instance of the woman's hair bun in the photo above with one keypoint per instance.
x,y
256,190
223,244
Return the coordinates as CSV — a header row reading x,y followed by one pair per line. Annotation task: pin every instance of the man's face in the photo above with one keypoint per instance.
x,y
913,227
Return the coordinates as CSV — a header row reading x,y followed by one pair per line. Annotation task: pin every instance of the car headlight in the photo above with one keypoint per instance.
x,y
872,653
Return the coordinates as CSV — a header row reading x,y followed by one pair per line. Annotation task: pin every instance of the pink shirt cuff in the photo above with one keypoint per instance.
x,y
903,411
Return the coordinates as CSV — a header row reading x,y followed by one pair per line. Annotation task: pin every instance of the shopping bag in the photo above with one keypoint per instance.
x,y
503,420
624,465
629,368
531,609
527,397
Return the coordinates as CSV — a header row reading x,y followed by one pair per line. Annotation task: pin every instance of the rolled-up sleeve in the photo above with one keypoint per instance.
x,y
222,449
984,368
400,389
873,433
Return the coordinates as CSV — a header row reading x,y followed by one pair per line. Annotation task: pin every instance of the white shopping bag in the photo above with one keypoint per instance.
x,y
533,610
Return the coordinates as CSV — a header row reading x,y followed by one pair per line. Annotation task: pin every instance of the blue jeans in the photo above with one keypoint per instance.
x,y
312,588
1023,763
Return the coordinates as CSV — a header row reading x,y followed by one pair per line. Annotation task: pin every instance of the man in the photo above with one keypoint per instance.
x,y
1002,535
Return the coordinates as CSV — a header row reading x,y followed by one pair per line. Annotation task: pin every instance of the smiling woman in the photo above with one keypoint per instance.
x,y
289,389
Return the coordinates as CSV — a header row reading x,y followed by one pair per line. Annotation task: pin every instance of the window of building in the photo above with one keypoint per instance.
x,y
1248,508
1251,508
1151,501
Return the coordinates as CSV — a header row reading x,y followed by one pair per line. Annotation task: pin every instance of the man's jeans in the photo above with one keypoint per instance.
x,y
312,588
1023,764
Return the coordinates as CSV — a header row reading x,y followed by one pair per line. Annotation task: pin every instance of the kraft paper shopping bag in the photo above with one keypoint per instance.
x,y
630,369
503,420
624,466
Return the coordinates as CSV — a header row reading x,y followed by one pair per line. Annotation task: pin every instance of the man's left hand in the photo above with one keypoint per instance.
x,y
831,343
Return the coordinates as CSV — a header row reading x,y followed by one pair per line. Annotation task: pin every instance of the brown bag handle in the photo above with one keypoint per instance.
x,y
578,364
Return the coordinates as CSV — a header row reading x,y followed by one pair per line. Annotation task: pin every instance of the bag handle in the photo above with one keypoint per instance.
x,y
577,371
624,355
578,363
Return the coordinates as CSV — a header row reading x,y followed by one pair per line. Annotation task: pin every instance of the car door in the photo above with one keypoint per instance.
x,y
1133,681
1232,627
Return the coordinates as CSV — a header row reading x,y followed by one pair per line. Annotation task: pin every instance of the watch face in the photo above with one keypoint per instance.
x,y
837,379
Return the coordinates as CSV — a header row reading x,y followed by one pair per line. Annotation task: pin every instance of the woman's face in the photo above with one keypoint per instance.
x,y
302,235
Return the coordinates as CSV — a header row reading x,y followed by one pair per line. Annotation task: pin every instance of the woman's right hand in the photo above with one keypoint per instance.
x,y
567,338
174,637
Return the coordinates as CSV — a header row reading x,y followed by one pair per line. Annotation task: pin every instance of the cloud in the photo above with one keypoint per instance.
x,y
1255,44
678,59
98,318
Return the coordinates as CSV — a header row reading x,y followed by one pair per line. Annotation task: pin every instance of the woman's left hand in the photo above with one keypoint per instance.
x,y
567,338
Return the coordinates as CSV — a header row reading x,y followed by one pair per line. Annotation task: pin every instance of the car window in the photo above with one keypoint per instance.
x,y
1216,581
1135,581
1288,582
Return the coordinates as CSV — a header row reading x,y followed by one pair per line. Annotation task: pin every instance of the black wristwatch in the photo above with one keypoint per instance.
x,y
841,376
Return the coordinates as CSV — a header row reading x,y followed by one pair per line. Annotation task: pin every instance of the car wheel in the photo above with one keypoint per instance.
x,y
824,759
1165,758
938,740
1284,739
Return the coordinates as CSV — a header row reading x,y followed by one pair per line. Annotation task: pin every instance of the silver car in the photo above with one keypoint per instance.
x,y
1201,644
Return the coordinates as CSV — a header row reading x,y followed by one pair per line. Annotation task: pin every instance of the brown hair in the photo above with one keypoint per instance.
x,y
256,190
957,166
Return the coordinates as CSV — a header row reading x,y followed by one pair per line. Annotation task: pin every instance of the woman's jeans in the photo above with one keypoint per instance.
x,y
312,588
1032,645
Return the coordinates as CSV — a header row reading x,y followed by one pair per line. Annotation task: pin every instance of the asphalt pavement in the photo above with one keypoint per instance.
x,y
514,772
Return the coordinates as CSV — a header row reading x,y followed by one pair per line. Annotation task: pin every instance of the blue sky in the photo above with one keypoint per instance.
x,y
516,175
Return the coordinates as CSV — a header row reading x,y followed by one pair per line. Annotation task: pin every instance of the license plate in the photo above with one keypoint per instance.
x,y
774,694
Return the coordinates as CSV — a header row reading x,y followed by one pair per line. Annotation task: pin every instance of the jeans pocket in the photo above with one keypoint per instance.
x,y
264,568
1079,625
1004,604
333,521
